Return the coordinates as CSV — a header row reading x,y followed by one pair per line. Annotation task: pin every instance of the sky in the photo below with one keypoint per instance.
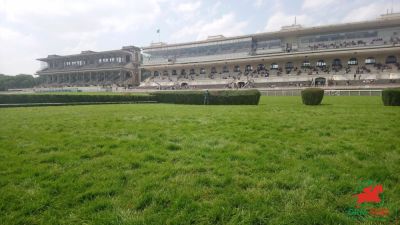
x,y
31,29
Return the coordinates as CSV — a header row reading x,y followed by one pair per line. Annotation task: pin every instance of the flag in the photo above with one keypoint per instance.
x,y
158,31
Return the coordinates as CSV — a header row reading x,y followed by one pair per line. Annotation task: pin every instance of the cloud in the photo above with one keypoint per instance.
x,y
18,52
67,26
368,12
258,3
32,29
318,4
279,19
226,25
188,7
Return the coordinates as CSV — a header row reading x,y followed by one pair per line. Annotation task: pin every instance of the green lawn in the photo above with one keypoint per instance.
x,y
278,163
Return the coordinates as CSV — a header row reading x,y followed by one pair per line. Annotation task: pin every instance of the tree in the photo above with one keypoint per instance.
x,y
18,81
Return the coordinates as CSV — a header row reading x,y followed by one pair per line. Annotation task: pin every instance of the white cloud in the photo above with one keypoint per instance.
x,y
279,19
18,52
369,11
225,25
66,26
258,3
31,29
188,7
319,4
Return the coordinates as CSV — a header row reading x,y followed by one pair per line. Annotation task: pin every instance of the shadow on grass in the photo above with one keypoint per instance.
x,y
320,105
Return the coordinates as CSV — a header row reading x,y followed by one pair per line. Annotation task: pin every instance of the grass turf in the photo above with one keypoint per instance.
x,y
278,163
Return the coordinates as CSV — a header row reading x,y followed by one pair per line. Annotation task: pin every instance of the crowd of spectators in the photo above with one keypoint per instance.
x,y
262,72
394,40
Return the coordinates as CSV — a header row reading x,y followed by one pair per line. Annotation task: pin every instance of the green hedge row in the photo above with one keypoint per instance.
x,y
222,97
59,98
312,96
391,97
225,97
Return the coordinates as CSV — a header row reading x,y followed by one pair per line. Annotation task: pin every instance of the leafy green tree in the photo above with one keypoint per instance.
x,y
18,81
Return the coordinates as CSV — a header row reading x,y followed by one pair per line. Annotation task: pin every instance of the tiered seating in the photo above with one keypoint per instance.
x,y
276,77
350,43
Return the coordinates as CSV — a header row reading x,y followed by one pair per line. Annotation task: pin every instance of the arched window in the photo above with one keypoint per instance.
x,y
165,73
260,67
336,62
213,70
183,72
191,71
352,62
370,60
248,68
321,63
236,68
391,59
173,72
306,64
289,65
202,71
225,69
274,66
156,73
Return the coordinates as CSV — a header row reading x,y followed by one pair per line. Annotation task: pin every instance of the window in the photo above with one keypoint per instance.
x,y
225,69
306,64
213,70
352,62
236,68
202,71
156,73
289,65
165,73
173,72
191,71
391,59
260,67
336,62
248,68
274,66
321,63
183,72
370,60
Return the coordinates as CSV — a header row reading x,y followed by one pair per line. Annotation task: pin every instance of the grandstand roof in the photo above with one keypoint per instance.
x,y
124,49
387,20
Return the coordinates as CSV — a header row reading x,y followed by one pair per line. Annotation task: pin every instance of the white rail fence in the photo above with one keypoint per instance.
x,y
297,92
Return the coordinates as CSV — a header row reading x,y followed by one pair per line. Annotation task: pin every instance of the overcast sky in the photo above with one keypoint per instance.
x,y
30,29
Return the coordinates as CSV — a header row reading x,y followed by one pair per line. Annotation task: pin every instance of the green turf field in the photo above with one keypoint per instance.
x,y
277,163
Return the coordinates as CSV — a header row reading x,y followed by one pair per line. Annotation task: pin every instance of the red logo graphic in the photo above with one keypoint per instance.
x,y
370,195
370,204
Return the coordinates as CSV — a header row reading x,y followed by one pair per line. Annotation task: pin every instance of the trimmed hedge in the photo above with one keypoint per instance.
x,y
60,98
180,97
312,96
223,97
231,97
391,97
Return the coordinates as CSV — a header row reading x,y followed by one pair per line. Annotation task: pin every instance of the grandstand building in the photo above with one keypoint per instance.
x,y
342,54
116,67
358,53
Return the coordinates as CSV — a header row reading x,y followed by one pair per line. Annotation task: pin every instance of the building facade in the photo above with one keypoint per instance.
x,y
116,67
342,54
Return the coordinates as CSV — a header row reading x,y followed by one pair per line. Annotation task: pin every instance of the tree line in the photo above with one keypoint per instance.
x,y
18,81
